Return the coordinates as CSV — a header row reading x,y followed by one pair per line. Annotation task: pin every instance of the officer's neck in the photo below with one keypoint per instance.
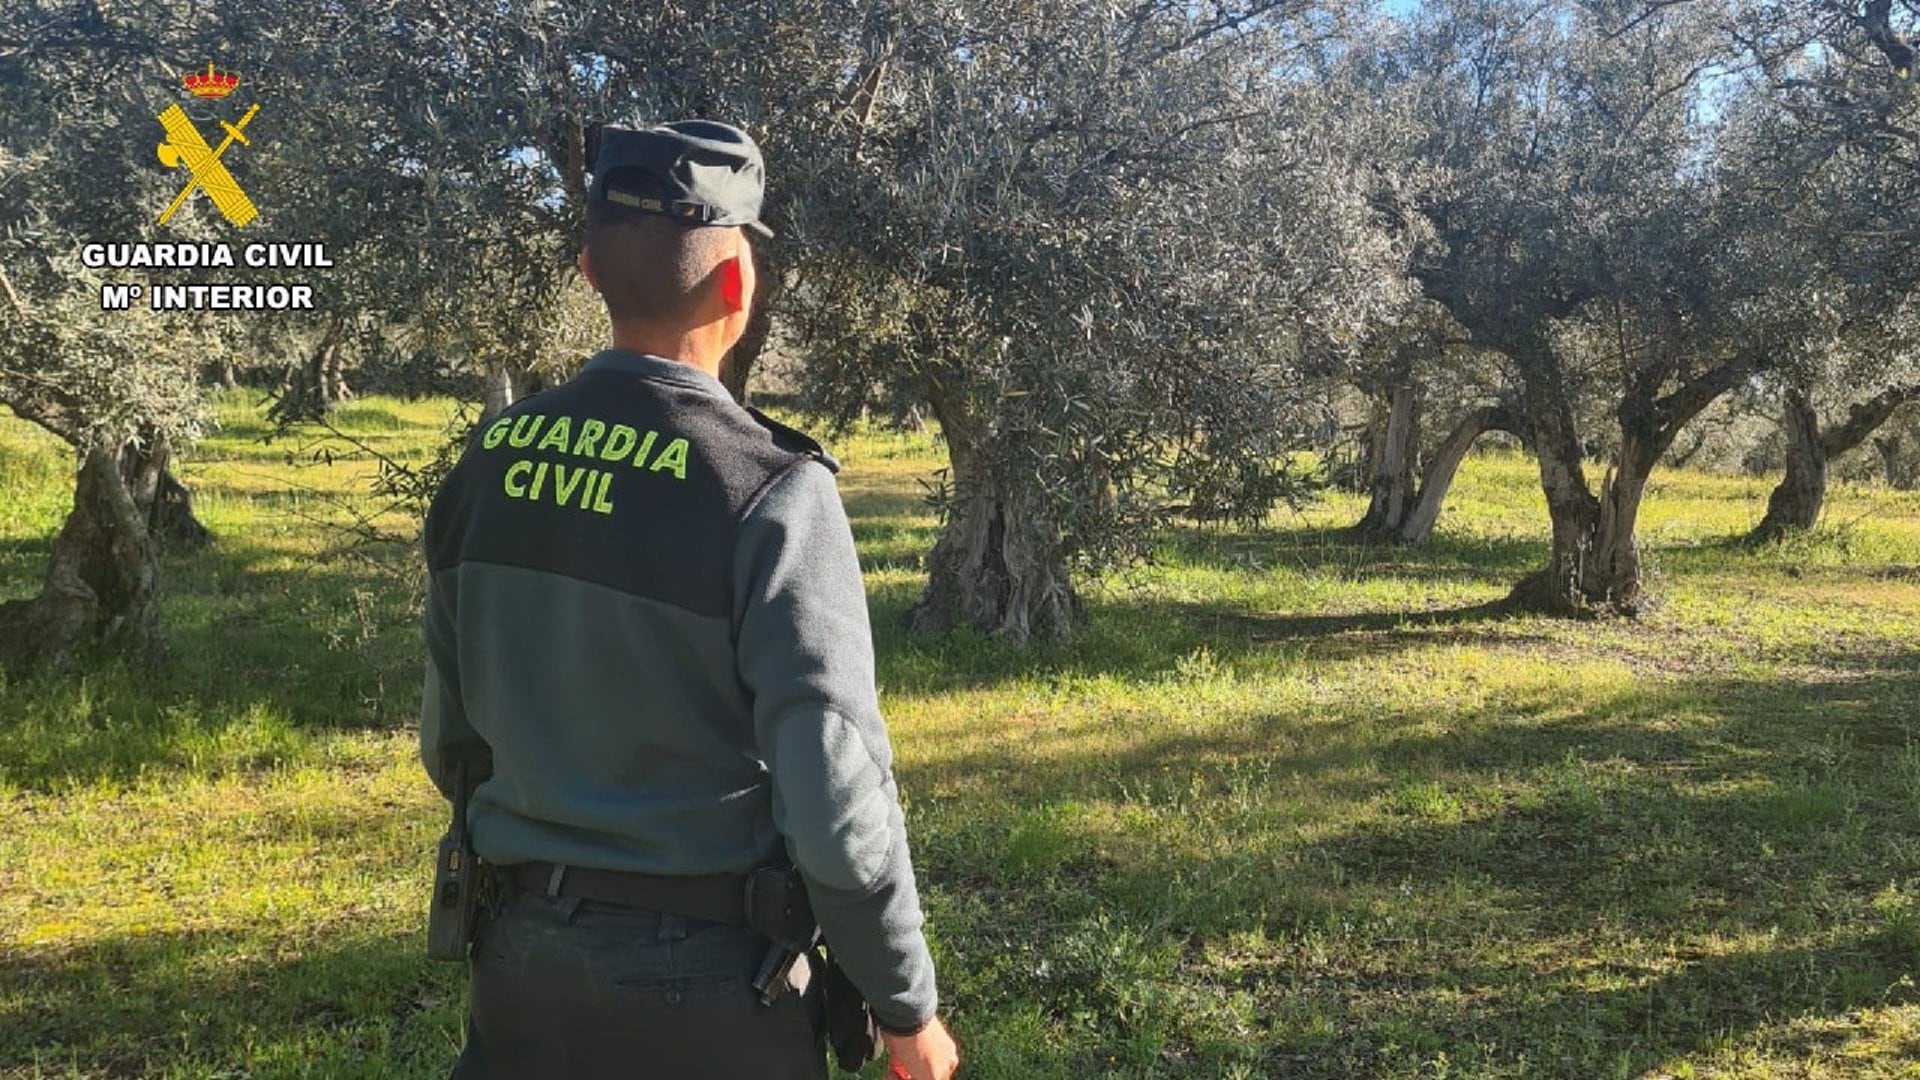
x,y
702,347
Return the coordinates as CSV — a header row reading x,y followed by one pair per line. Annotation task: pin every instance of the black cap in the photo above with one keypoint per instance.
x,y
701,172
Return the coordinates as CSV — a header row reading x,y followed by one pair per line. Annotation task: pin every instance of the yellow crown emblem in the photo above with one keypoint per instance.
x,y
210,83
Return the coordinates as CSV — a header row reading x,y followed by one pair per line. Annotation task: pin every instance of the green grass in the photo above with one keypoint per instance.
x,y
1286,808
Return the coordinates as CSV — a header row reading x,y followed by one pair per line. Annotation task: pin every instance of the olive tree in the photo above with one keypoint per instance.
x,y
119,388
1098,241
1095,241
1897,450
1598,234
1845,127
473,146
1421,373
1831,406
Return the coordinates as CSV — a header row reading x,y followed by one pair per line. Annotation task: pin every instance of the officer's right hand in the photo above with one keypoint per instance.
x,y
928,1055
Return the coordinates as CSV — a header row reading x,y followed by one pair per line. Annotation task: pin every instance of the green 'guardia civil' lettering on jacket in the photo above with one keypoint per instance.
x,y
645,602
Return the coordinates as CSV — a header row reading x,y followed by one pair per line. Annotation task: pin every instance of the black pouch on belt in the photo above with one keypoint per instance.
x,y
777,909
851,1032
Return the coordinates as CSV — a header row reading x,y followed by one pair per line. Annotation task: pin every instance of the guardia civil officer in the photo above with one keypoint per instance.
x,y
646,624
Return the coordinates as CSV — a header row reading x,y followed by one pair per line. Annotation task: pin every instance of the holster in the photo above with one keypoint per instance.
x,y
460,879
779,910
852,1034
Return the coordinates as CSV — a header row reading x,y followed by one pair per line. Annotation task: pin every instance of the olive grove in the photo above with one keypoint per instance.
x,y
1119,252
1612,228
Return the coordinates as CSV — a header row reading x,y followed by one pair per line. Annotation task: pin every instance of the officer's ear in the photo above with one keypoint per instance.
x,y
586,269
733,285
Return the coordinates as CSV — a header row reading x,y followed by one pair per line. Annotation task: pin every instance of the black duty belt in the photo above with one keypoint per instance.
x,y
719,897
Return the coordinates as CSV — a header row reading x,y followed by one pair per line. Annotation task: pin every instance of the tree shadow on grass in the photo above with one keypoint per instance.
x,y
865,503
1557,1023
889,527
1391,628
362,417
1127,634
1354,747
1148,638
1559,888
890,545
255,655
225,1003
1641,923
1446,557
1665,733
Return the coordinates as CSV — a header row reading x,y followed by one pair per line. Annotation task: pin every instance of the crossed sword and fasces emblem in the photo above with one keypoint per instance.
x,y
184,146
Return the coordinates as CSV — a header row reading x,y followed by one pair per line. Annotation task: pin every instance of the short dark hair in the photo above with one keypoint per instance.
x,y
651,268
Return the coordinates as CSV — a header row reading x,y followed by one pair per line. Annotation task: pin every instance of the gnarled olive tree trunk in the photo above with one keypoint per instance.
x,y
1796,503
498,394
163,501
527,381
1400,511
100,582
316,385
998,565
506,384
1897,467
1390,454
1594,564
1418,523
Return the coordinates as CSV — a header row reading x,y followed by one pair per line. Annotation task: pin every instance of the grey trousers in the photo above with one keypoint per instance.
x,y
565,989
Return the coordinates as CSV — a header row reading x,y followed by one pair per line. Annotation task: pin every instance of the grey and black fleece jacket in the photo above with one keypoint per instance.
x,y
645,603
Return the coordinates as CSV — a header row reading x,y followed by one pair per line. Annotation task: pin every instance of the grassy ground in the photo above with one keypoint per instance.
x,y
1287,808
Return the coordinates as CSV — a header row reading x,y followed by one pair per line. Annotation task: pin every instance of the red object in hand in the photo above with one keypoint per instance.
x,y
901,1072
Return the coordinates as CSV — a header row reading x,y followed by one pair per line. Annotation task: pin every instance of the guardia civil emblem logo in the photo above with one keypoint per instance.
x,y
184,147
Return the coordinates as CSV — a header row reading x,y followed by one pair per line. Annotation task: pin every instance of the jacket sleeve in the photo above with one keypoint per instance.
x,y
806,656
444,731
445,734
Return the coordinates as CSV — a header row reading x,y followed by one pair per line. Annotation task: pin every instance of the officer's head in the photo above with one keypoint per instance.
x,y
667,217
